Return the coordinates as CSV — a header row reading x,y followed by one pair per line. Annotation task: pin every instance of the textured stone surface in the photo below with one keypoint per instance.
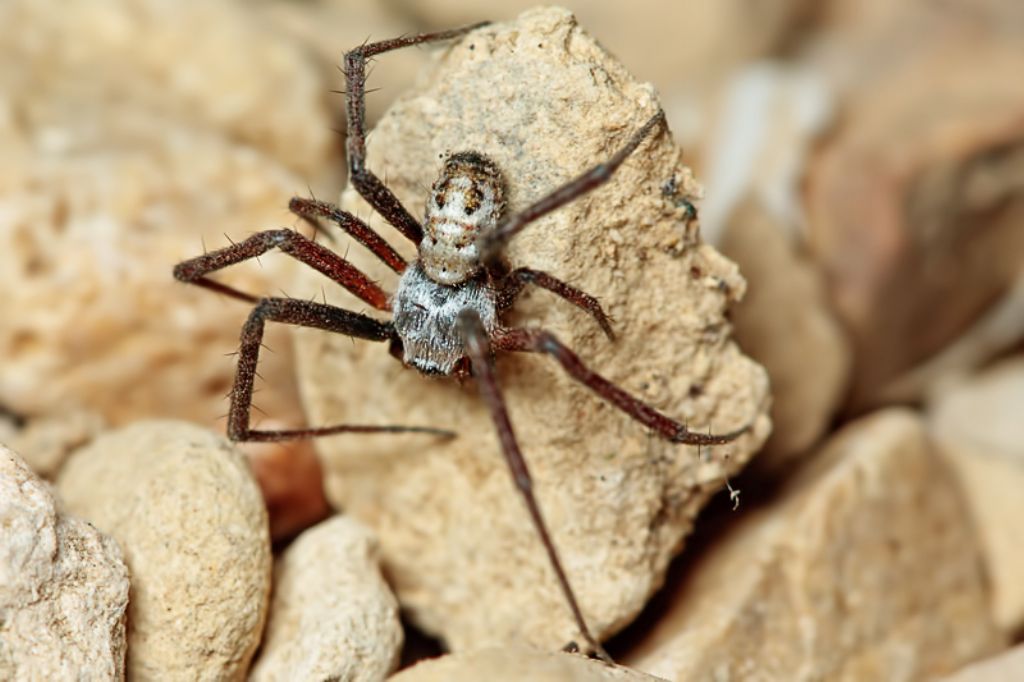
x,y
333,616
1006,667
63,587
978,426
784,322
185,508
133,132
511,664
865,568
545,102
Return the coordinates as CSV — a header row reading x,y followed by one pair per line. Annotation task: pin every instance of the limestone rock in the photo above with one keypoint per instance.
x,y
511,664
978,427
133,133
1006,667
785,323
45,442
63,587
333,616
185,508
545,102
865,568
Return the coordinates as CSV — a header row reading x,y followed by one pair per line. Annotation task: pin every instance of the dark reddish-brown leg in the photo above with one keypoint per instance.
x,y
516,280
313,209
319,258
540,341
477,347
366,183
303,314
492,243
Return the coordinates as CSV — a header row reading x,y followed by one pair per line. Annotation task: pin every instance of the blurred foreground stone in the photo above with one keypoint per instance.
x,y
512,664
189,516
333,616
866,568
134,132
63,587
545,102
979,429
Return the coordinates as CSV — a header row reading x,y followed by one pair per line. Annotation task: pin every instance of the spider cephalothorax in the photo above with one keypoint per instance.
x,y
448,303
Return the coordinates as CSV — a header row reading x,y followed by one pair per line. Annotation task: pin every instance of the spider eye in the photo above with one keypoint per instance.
x,y
439,200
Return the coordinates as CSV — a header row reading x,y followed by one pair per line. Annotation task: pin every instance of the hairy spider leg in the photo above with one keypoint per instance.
x,y
477,348
366,183
492,243
541,341
514,283
313,209
303,314
322,259
290,311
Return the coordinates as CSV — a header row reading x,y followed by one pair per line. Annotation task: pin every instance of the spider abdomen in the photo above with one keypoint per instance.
x,y
426,318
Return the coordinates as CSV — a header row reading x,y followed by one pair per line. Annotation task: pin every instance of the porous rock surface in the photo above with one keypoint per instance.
x,y
184,507
63,587
977,426
332,616
511,664
865,568
121,157
545,102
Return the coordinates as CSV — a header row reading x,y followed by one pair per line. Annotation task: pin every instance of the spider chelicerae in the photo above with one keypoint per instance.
x,y
448,307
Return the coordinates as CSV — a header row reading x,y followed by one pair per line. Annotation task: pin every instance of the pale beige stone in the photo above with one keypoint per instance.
x,y
135,132
45,442
978,427
785,323
326,29
333,616
183,504
512,664
1006,667
63,587
865,568
545,102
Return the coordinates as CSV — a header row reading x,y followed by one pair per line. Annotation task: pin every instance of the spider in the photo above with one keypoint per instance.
x,y
448,306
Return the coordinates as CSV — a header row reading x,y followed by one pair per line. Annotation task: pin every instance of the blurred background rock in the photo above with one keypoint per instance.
x,y
863,162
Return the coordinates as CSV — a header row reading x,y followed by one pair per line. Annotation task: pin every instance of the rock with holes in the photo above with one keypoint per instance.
x,y
865,567
333,616
188,514
63,587
194,121
545,102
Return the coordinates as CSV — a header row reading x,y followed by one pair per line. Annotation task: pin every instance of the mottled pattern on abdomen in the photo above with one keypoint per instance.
x,y
426,318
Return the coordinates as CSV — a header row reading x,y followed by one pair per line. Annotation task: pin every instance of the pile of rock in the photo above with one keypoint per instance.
x,y
879,534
